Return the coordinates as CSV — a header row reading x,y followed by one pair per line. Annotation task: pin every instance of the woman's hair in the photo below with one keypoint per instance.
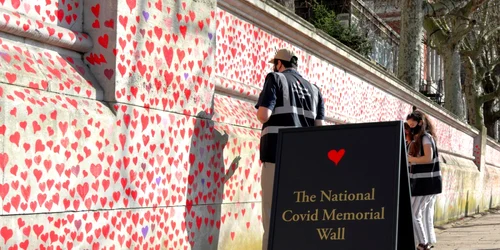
x,y
407,127
408,135
426,127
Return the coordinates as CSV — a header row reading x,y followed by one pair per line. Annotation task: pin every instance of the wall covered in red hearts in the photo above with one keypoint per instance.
x,y
243,50
129,145
67,14
123,149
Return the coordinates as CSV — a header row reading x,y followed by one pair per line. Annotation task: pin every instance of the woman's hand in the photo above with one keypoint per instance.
x,y
411,159
427,158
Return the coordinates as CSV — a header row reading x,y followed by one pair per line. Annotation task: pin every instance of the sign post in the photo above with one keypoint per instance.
x,y
342,187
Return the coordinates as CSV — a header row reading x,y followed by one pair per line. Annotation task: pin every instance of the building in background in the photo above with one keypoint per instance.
x,y
381,24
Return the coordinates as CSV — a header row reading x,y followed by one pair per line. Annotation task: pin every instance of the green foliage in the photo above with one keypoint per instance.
x,y
326,20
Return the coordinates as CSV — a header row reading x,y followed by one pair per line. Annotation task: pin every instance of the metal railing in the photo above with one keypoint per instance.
x,y
384,40
435,92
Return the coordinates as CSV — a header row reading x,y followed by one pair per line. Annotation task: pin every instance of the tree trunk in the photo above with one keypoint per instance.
x,y
410,44
474,106
498,131
492,129
453,99
490,121
490,109
289,4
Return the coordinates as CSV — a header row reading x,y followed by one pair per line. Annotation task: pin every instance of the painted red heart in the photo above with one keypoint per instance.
x,y
4,159
11,78
131,4
103,40
6,233
335,156
16,4
4,190
95,10
108,73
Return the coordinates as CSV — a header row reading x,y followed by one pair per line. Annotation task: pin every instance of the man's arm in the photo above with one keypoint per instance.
x,y
320,116
263,114
267,99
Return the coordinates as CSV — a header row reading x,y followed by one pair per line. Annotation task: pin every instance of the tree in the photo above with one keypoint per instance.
x,y
326,20
447,23
480,56
491,84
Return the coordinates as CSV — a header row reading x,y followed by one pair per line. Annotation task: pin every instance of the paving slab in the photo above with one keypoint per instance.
x,y
482,233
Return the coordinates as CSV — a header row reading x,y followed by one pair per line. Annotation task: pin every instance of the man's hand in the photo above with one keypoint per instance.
x,y
319,123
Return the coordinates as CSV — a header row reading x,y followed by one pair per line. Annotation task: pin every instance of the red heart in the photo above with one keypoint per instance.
x,y
109,23
16,4
4,159
14,138
6,234
103,40
96,24
11,78
108,73
95,10
183,30
95,169
4,189
335,156
131,4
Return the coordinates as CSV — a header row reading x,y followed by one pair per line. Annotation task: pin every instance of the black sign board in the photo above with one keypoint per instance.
x,y
342,187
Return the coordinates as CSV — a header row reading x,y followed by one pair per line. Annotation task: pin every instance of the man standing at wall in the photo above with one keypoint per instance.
x,y
287,100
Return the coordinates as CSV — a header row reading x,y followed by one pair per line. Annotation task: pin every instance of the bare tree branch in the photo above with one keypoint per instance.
x,y
485,17
430,45
465,13
469,50
435,31
493,81
472,7
490,33
493,64
441,8
461,33
490,96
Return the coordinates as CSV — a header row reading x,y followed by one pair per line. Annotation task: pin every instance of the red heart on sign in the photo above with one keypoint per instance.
x,y
335,156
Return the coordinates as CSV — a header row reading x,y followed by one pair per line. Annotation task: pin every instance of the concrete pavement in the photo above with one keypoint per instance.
x,y
482,233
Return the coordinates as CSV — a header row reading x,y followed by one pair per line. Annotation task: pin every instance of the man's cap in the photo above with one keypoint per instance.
x,y
283,54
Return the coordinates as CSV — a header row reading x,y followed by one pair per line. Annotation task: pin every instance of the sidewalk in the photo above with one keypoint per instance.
x,y
482,233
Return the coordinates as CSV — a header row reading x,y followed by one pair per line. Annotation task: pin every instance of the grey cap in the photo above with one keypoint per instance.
x,y
283,54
